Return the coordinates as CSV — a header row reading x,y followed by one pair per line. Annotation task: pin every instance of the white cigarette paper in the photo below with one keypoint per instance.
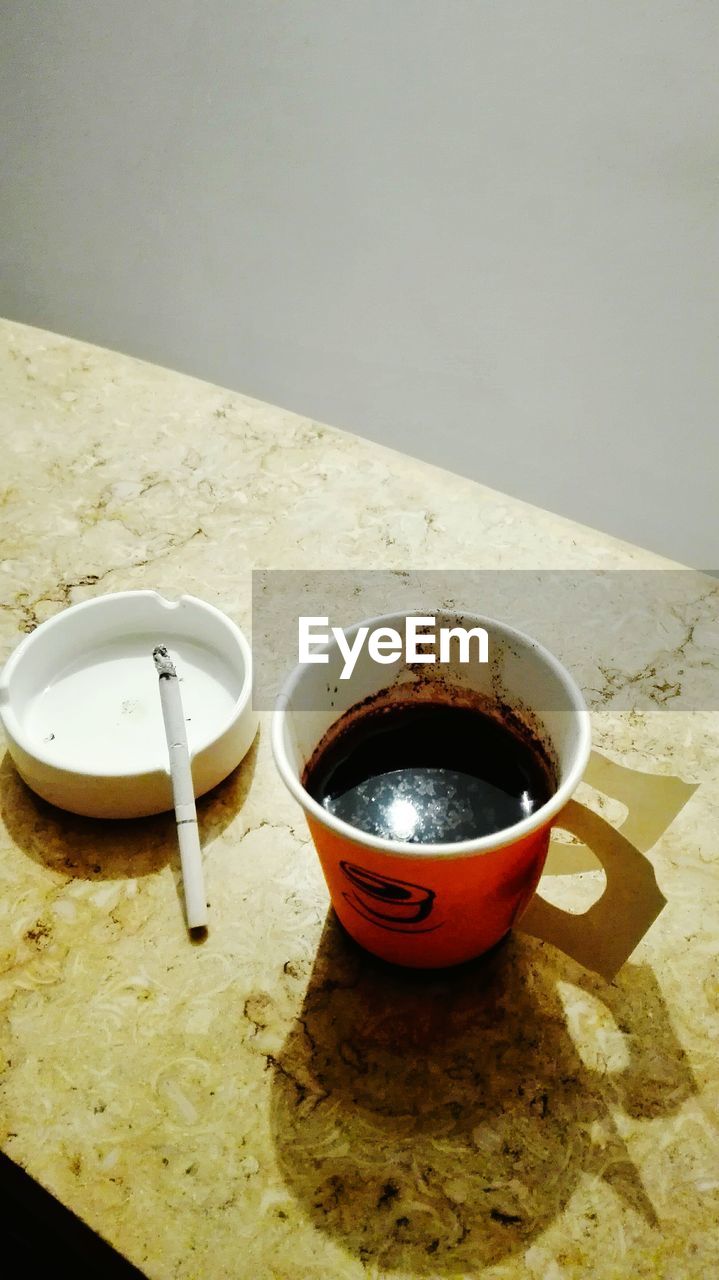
x,y
183,792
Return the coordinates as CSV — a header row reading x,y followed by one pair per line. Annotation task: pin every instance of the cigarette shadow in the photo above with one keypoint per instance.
x,y
436,1123
111,849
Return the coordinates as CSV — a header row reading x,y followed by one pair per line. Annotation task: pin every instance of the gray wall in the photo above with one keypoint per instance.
x,y
482,231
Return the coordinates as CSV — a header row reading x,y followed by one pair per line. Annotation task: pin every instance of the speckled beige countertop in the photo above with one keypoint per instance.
x,y
274,1104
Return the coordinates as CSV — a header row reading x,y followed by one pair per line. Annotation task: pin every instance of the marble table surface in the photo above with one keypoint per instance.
x,y
274,1103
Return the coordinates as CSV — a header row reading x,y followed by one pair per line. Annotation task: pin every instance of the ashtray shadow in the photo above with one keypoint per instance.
x,y
111,849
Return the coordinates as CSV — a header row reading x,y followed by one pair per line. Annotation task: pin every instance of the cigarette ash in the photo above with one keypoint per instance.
x,y
163,662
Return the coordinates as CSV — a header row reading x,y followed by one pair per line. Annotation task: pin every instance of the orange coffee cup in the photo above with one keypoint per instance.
x,y
433,905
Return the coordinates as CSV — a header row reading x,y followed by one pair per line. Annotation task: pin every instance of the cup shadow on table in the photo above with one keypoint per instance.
x,y
112,849
437,1122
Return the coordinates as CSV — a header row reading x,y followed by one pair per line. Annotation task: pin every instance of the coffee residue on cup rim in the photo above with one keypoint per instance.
x,y
425,688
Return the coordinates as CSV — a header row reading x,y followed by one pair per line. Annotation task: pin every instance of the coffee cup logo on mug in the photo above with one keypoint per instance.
x,y
430,789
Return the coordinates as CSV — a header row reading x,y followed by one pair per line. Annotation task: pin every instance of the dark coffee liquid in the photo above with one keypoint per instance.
x,y
429,773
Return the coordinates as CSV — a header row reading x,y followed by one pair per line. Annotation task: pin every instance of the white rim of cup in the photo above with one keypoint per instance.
x,y
461,848
34,751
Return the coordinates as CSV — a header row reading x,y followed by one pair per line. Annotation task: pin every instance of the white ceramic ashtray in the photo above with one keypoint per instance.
x,y
81,708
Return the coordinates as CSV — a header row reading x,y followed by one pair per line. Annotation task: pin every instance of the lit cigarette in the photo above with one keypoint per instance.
x,y
183,792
